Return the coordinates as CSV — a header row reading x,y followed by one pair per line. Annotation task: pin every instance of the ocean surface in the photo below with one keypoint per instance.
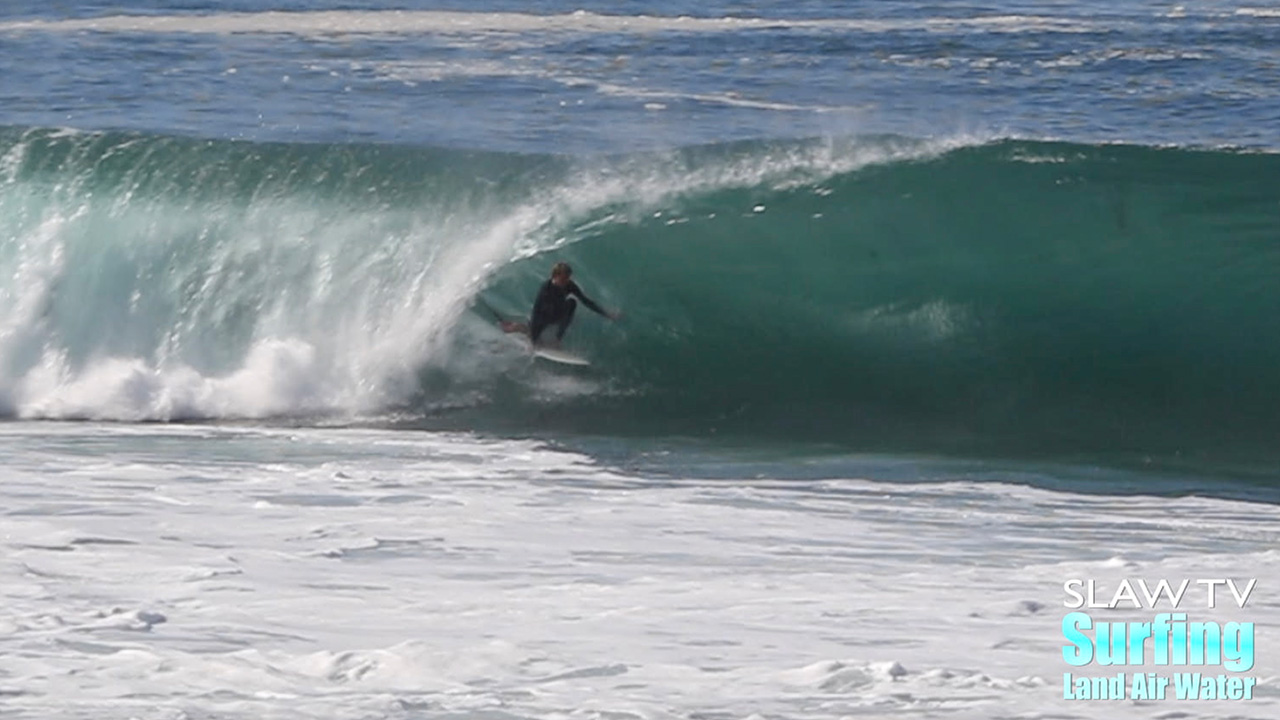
x,y
927,309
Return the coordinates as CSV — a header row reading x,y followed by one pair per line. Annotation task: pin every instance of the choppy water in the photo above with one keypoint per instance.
x,y
599,76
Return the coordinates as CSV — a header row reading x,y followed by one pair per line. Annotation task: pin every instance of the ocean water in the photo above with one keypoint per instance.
x,y
928,310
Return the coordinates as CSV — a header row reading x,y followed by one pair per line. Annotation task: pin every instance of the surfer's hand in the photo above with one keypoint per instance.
x,y
616,315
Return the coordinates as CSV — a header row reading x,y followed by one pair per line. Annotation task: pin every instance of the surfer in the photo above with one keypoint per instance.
x,y
554,307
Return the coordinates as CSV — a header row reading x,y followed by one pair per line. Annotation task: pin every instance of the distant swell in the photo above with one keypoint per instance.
x,y
878,293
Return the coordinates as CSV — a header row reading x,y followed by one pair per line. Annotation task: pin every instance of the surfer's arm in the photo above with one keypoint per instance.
x,y
574,289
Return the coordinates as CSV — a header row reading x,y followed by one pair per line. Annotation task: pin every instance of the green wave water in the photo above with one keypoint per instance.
x,y
1011,297
995,298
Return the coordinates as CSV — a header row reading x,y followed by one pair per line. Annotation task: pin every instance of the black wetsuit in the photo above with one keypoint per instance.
x,y
555,307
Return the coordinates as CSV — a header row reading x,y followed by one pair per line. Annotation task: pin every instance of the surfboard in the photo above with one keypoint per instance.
x,y
559,356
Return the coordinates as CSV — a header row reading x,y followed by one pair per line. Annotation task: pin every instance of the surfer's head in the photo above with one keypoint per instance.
x,y
560,273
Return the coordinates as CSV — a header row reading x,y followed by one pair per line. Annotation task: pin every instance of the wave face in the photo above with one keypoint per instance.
x,y
878,293
1008,297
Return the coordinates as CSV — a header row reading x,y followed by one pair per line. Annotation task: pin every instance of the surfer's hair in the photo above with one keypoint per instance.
x,y
561,268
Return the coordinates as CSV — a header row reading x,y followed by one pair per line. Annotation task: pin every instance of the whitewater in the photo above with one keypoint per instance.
x,y
173,572
927,312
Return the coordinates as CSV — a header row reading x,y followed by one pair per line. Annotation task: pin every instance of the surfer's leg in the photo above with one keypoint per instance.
x,y
566,317
536,326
